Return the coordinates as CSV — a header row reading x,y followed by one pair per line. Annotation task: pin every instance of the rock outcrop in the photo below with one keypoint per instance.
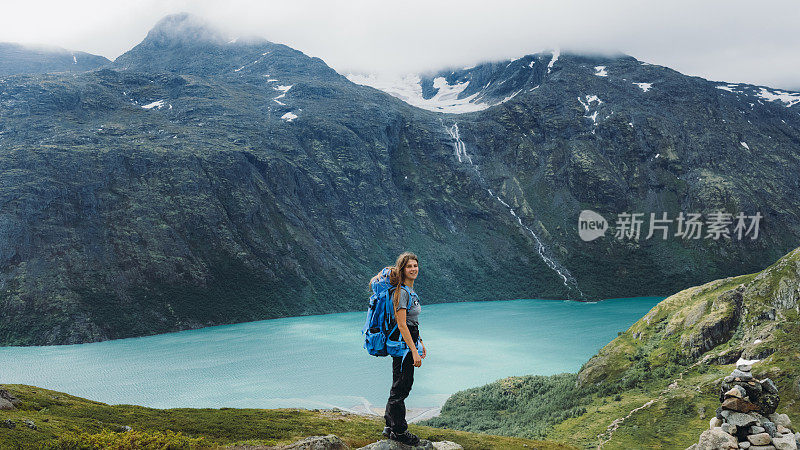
x,y
747,418
329,442
423,445
8,401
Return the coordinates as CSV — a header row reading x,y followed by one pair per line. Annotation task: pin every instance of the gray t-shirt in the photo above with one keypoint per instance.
x,y
412,311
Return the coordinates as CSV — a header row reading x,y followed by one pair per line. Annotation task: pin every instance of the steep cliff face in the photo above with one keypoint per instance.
x,y
202,181
720,322
171,201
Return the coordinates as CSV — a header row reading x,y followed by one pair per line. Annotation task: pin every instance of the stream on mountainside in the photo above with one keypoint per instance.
x,y
463,157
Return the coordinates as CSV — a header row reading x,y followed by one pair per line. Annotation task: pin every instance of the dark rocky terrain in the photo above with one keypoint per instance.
x,y
17,59
199,181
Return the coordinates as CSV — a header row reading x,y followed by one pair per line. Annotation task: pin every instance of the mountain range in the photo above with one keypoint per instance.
x,y
200,180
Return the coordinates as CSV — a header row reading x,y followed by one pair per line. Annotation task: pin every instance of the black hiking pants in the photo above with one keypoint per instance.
x,y
402,379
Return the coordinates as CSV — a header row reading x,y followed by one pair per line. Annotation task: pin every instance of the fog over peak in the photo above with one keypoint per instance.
x,y
731,41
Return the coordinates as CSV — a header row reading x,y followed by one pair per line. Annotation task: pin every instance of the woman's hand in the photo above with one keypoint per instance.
x,y
424,351
417,360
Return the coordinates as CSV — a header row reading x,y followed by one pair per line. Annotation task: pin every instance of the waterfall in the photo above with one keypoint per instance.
x,y
463,157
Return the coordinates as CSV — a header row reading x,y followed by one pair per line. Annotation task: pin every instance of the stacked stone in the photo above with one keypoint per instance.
x,y
747,418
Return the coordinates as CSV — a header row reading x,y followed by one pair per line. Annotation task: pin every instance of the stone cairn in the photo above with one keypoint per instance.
x,y
747,418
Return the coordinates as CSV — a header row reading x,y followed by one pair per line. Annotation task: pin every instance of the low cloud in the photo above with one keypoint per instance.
x,y
734,41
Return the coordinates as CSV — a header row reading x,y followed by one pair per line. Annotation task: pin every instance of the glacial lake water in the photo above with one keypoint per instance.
x,y
319,362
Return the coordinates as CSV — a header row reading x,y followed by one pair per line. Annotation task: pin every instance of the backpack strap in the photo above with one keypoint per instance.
x,y
410,294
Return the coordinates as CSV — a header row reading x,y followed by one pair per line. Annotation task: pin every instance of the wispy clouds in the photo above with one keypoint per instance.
x,y
734,41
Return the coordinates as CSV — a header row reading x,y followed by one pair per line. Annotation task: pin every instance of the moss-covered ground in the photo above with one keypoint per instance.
x,y
657,384
65,421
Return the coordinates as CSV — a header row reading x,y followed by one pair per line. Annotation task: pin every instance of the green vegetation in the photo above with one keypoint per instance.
x,y
517,406
656,384
67,422
127,440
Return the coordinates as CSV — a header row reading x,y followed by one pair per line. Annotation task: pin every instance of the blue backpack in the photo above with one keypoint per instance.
x,y
381,335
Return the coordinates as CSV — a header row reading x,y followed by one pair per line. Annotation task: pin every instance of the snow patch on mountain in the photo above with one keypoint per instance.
x,y
589,100
644,86
155,104
510,96
790,98
600,71
586,102
728,88
556,54
409,90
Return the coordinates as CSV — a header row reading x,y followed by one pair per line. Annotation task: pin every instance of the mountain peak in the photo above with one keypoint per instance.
x,y
183,28
187,43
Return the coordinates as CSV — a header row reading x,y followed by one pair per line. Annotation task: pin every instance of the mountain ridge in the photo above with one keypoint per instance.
x,y
173,195
20,59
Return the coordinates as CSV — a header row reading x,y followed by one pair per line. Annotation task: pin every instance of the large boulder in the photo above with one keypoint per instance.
x,y
5,395
387,444
329,442
5,405
447,445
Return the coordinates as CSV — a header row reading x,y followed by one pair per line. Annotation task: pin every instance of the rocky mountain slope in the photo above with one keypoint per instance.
x,y
658,383
17,59
201,180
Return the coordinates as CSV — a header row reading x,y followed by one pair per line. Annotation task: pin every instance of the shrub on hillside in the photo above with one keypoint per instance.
x,y
129,440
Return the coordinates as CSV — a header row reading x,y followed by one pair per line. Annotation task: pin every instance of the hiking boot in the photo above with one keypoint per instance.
x,y
387,432
406,438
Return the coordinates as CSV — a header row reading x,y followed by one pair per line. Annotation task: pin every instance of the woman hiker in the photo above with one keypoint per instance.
x,y
407,309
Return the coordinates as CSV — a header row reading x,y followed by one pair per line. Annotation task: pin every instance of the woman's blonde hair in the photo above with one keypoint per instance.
x,y
397,275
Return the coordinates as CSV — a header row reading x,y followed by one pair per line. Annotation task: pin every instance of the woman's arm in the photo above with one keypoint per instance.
x,y
403,327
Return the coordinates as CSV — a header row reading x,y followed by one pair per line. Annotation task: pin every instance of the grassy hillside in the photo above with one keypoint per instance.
x,y
66,422
656,384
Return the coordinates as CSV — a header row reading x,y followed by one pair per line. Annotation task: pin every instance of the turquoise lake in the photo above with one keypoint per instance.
x,y
318,361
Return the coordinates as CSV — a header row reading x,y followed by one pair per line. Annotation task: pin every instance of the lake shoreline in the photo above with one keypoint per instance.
x,y
318,361
190,329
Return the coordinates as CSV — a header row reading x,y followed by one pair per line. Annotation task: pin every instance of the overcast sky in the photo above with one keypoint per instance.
x,y
736,41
